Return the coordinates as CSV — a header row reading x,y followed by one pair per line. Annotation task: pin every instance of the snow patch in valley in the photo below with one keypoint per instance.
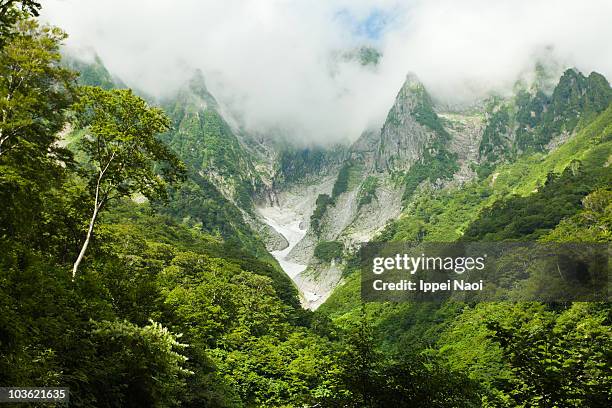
x,y
288,223
289,227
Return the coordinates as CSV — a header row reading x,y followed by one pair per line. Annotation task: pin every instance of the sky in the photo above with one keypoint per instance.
x,y
275,63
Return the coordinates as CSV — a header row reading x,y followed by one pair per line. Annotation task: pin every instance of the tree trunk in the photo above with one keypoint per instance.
x,y
97,206
98,202
75,267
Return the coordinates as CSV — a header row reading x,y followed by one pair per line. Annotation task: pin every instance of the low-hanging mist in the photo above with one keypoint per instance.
x,y
281,64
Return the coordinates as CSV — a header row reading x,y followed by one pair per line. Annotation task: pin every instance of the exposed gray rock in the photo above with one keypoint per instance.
x,y
466,133
317,283
371,218
274,240
403,138
365,149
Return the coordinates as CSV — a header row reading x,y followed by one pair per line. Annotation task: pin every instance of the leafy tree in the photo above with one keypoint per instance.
x,y
29,6
142,366
361,363
342,181
532,216
34,92
557,359
294,164
592,224
420,381
12,11
367,191
323,201
125,155
364,374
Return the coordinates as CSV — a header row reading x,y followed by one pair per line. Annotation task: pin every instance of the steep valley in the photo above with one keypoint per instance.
x,y
295,201
347,196
198,248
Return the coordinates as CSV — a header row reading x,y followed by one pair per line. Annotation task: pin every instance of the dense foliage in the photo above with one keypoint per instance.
x,y
328,251
11,11
342,181
367,191
208,145
92,73
521,354
323,200
299,164
125,157
175,304
178,303
532,119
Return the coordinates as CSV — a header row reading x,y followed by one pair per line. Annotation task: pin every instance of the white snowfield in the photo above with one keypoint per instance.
x,y
288,223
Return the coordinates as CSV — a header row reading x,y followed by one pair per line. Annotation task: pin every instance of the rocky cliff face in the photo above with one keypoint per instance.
x,y
409,129
421,146
300,201
465,129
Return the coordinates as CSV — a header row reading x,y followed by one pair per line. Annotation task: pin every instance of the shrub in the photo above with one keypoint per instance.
x,y
329,250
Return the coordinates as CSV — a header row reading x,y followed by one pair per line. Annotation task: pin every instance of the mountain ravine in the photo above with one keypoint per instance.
x,y
177,251
295,203
420,146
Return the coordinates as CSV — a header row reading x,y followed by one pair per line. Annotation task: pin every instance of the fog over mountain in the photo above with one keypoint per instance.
x,y
282,64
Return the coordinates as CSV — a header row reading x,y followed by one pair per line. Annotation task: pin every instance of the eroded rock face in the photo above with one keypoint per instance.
x,y
404,135
413,137
370,218
365,149
347,220
297,204
317,283
378,157
466,135
274,240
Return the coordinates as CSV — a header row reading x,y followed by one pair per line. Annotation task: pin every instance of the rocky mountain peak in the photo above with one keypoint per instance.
x,y
195,93
409,128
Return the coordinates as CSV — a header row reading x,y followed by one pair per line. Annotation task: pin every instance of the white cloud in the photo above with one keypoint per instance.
x,y
270,59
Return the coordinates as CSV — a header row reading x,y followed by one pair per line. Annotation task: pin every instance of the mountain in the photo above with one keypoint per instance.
x,y
535,121
92,71
345,196
207,143
201,296
411,131
529,195
265,194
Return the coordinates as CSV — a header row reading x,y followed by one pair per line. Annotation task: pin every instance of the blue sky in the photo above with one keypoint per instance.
x,y
372,27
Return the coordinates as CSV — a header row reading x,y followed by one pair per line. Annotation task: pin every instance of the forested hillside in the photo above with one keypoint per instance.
x,y
138,270
525,353
161,311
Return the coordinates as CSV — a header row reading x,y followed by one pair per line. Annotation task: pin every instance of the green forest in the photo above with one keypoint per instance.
x,y
128,277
